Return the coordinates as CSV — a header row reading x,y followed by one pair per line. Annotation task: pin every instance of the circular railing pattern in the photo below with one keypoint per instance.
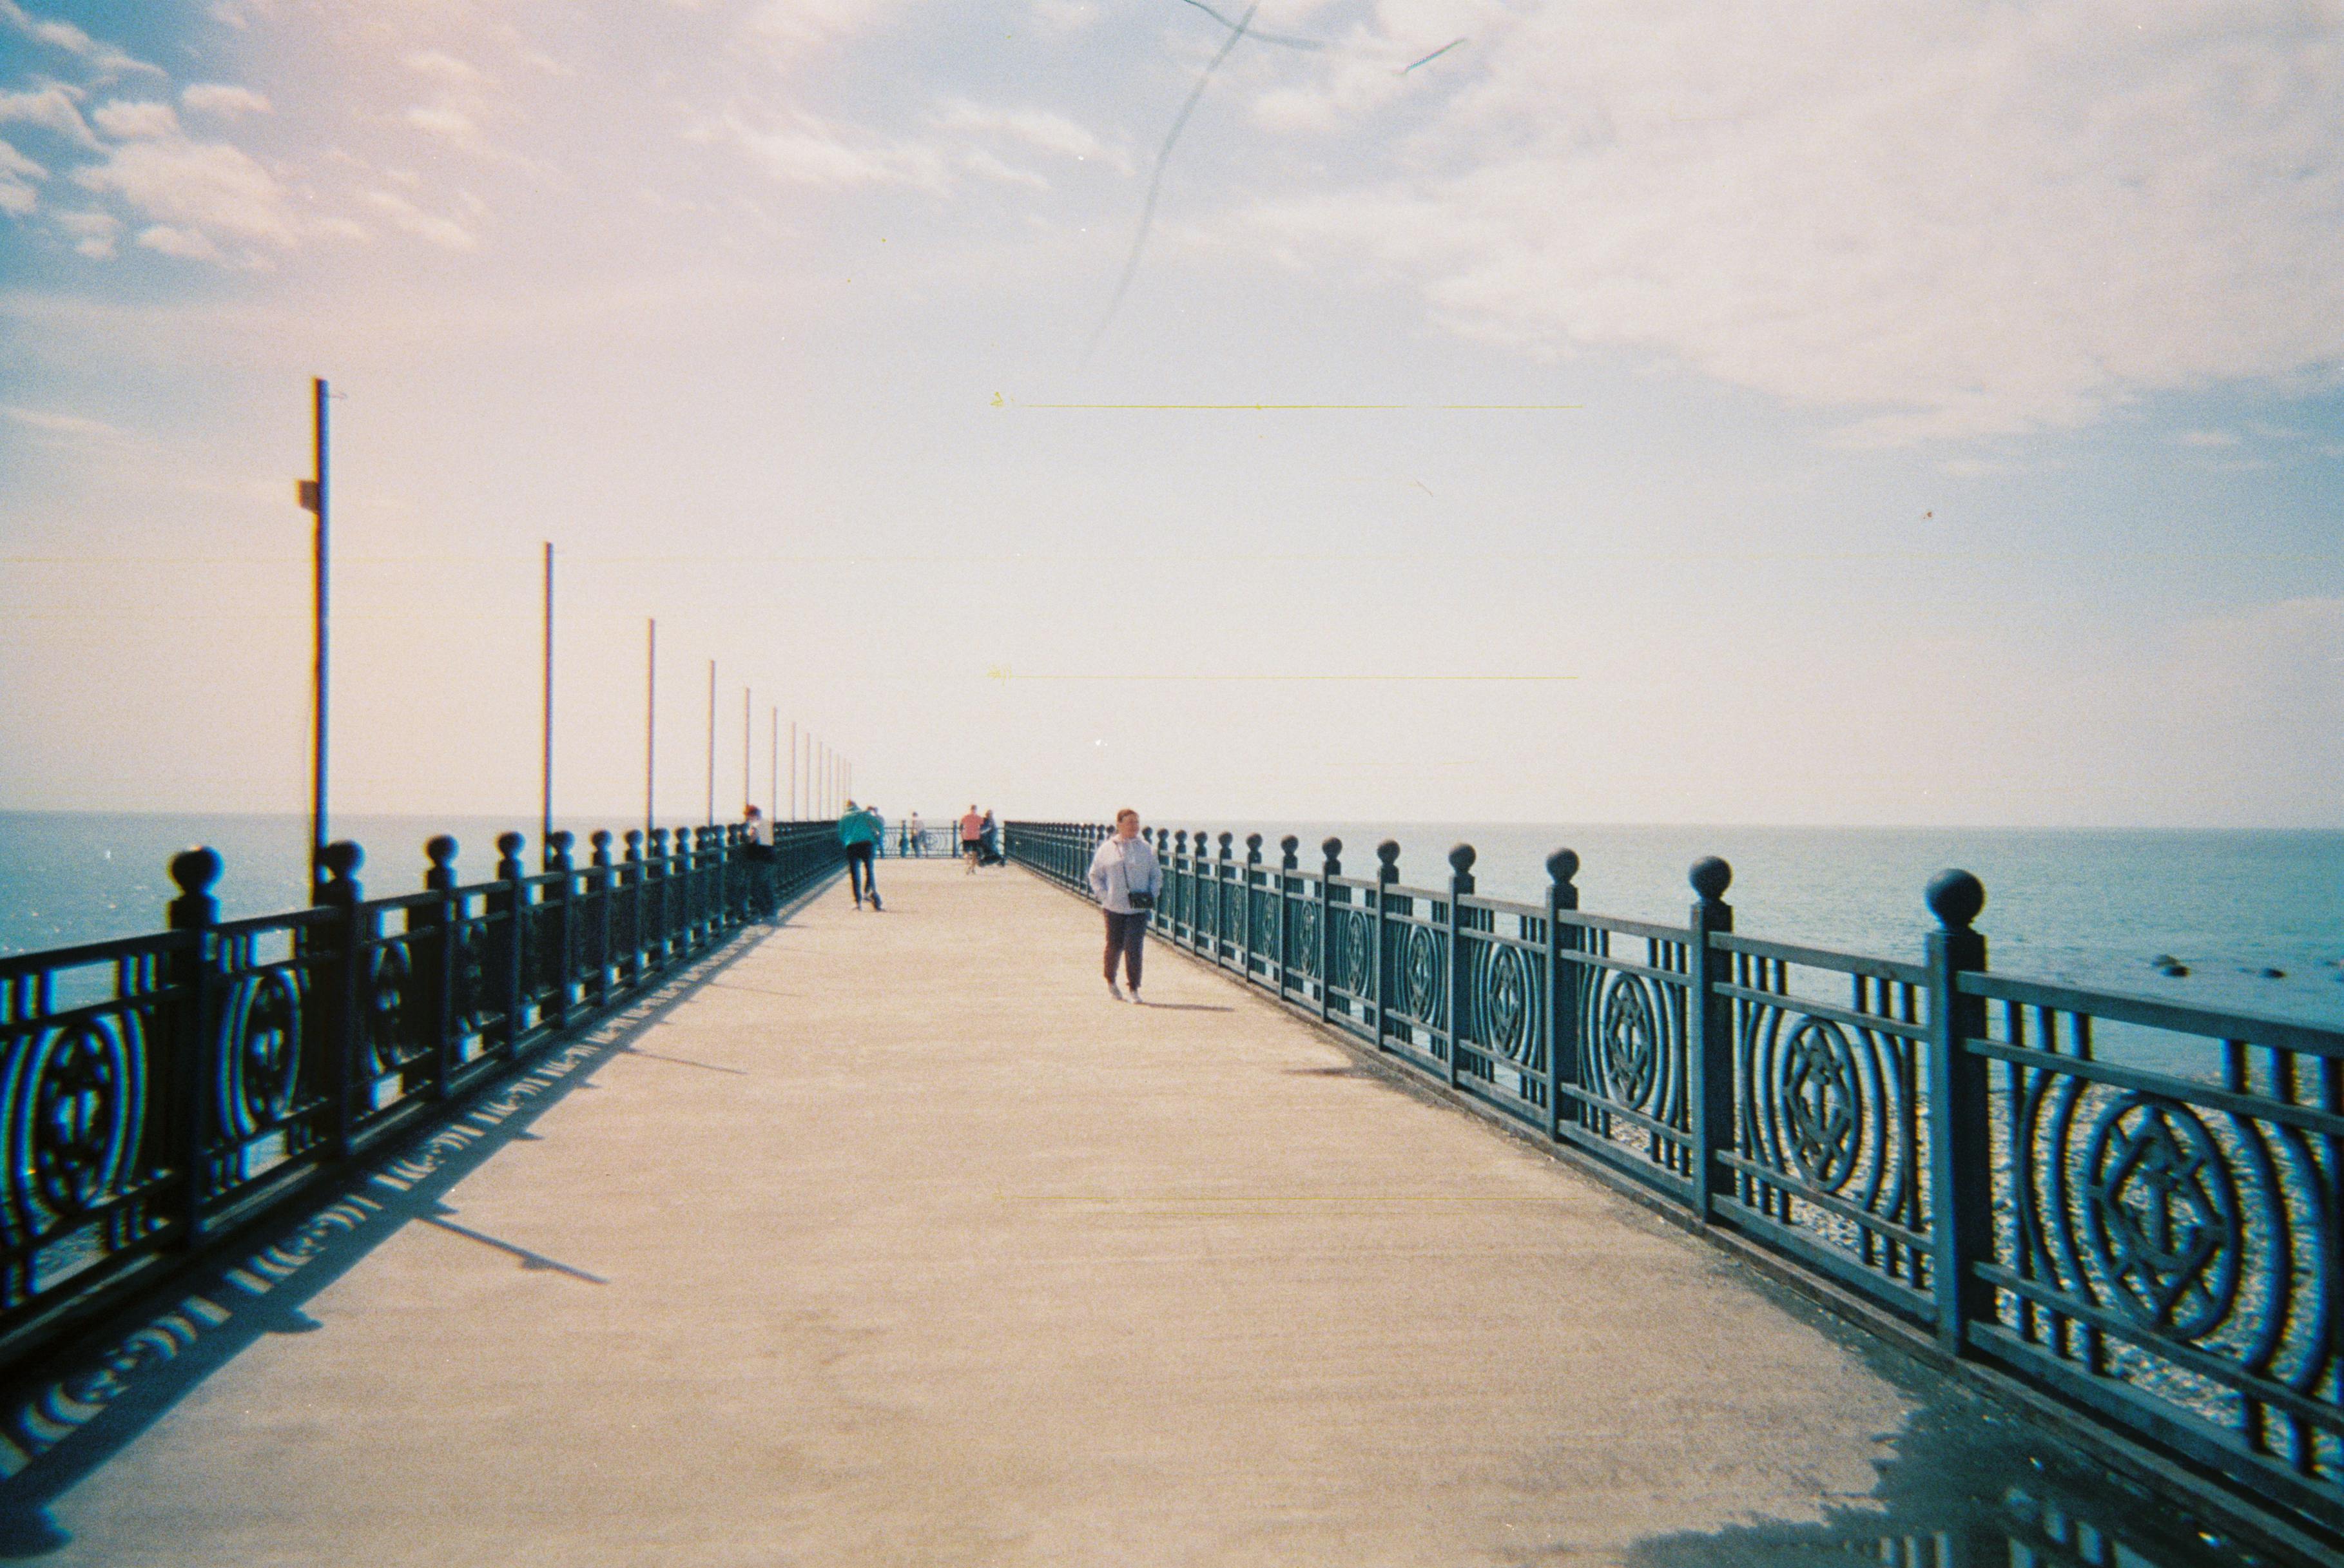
x,y
261,1067
1302,930
383,1003
1355,955
1420,973
2210,1228
76,1098
1628,1043
1503,998
2161,1215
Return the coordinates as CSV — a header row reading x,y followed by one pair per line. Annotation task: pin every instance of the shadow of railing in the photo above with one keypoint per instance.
x,y
69,1418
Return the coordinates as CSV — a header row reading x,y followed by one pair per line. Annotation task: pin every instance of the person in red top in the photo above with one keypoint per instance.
x,y
972,838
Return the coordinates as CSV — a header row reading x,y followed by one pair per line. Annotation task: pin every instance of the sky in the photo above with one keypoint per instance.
x,y
1337,410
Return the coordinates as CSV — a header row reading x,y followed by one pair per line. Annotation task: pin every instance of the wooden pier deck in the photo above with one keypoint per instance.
x,y
897,1242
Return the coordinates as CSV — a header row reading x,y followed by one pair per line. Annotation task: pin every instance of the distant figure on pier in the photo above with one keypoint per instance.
x,y
1125,878
761,832
860,830
988,842
971,836
918,834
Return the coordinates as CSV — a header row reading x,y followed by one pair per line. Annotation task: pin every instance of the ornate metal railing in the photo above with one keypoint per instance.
x,y
159,1091
2129,1206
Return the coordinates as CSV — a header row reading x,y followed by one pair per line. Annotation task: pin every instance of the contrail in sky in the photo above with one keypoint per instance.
x,y
1444,48
1156,180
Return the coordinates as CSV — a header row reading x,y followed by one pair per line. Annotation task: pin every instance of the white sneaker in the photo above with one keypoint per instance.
x,y
1115,990
1134,998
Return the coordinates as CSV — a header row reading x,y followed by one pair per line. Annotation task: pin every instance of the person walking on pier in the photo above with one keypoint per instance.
x,y
860,830
971,836
1126,877
919,836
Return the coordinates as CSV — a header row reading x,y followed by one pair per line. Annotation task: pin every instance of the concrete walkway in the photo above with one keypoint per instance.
x,y
900,1243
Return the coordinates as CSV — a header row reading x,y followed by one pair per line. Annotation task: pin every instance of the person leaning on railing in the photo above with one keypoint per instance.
x,y
1126,878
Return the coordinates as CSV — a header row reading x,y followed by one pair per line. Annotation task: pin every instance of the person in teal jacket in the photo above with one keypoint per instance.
x,y
861,830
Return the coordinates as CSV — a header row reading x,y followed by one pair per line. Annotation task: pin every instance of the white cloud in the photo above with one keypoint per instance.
x,y
441,231
93,232
978,161
1942,222
133,120
18,173
51,106
1037,128
196,186
104,58
786,31
439,120
1065,16
187,244
223,99
445,68
2207,439
811,152
57,424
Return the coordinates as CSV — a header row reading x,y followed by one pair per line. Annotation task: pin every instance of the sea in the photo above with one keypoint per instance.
x,y
2255,919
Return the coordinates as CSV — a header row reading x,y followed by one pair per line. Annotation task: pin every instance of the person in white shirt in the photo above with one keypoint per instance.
x,y
1126,878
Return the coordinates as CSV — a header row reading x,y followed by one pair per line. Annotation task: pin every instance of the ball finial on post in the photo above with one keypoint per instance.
x,y
1332,850
1710,877
1387,855
196,871
1955,897
441,851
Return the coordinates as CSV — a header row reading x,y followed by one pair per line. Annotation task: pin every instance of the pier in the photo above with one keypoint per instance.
x,y
760,1229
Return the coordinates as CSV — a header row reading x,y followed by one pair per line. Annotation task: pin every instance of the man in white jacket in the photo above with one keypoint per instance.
x,y
1125,879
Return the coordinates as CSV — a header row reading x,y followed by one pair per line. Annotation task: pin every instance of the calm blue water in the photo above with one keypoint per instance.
x,y
2093,908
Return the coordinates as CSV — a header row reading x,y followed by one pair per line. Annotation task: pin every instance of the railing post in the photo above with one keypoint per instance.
x,y
194,1065
445,963
1561,995
1709,1050
565,923
1387,878
1452,991
1221,870
651,903
511,901
1286,868
1246,910
720,854
1330,866
1961,1170
345,963
1176,882
606,918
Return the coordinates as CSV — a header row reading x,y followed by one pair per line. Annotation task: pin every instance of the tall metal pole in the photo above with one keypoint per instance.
x,y
712,743
774,767
650,728
545,771
793,770
746,794
320,605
